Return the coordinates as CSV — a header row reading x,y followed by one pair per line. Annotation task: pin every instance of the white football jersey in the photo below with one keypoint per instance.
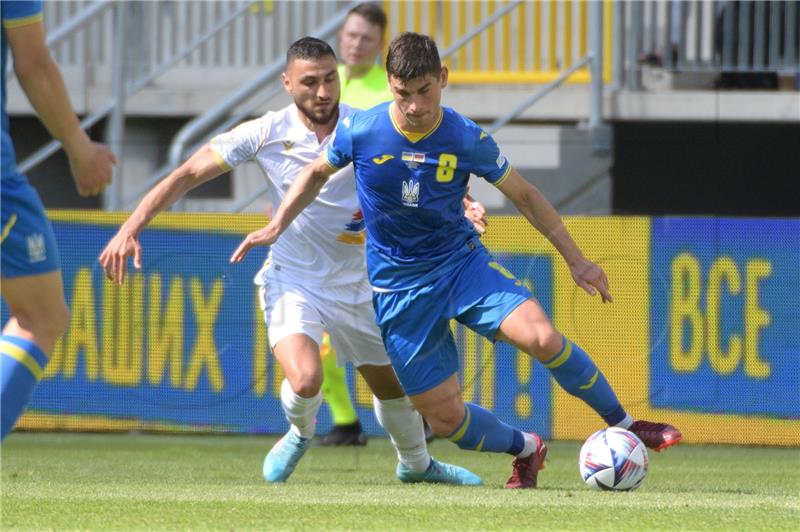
x,y
324,245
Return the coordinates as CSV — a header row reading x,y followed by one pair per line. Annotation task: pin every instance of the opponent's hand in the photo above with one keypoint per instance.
x,y
475,212
591,278
114,257
91,166
265,236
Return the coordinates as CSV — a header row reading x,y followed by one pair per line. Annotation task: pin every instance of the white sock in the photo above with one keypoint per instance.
x,y
625,423
301,412
530,445
404,425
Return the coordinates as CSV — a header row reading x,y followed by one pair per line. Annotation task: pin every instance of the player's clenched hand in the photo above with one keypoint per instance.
x,y
591,278
265,236
91,166
114,257
476,214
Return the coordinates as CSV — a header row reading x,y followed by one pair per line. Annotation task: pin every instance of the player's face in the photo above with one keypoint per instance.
x,y
419,99
314,86
359,41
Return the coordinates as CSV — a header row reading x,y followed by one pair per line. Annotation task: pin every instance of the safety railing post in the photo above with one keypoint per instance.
x,y
112,200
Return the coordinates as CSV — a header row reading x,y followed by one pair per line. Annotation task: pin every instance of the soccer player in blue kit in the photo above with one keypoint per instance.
x,y
412,160
31,276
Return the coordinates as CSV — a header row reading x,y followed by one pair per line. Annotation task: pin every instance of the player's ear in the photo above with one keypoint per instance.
x,y
287,83
443,76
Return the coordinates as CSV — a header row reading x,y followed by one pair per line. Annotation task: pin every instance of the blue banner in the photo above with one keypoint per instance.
x,y
724,315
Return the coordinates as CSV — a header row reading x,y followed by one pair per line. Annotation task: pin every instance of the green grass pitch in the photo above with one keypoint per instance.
x,y
147,482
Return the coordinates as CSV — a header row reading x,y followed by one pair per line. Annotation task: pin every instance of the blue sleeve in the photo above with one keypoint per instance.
x,y
487,162
340,151
19,13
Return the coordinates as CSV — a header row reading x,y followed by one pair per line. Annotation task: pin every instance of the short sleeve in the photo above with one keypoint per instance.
x,y
488,162
340,151
21,13
241,143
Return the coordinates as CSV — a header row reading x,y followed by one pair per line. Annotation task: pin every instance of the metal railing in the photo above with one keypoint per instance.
x,y
710,36
533,43
127,75
244,101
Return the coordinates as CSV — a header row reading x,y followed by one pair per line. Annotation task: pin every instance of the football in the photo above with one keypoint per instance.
x,y
613,459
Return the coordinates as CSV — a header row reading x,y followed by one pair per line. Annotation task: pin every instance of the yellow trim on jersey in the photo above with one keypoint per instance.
x,y
329,163
23,357
224,166
560,359
24,21
414,136
7,229
500,181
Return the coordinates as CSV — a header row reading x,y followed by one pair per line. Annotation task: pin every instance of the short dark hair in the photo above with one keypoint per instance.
x,y
412,56
308,48
372,12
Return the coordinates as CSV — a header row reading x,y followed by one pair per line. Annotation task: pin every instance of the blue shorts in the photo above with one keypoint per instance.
x,y
28,242
415,324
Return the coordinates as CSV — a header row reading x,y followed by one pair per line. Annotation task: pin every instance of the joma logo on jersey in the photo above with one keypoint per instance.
x,y
288,144
410,195
382,159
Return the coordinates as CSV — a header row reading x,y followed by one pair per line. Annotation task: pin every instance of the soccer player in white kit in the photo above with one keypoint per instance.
x,y
314,278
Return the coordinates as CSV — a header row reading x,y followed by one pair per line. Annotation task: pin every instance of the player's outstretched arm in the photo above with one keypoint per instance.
x,y
42,83
541,214
199,168
304,189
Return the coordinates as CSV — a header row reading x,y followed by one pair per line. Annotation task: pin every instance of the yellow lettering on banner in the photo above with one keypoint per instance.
x,y
260,351
82,328
56,359
277,379
478,368
165,332
685,306
523,403
755,318
204,353
723,270
123,331
362,393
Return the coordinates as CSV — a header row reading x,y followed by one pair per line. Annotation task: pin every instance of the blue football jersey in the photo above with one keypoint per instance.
x,y
411,188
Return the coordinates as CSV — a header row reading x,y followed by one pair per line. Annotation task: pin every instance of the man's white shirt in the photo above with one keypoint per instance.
x,y
324,245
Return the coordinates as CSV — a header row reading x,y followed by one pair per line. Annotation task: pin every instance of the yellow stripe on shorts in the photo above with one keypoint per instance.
x,y
7,229
23,357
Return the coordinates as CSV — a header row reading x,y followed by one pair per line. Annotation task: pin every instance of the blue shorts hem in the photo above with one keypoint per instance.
x,y
512,307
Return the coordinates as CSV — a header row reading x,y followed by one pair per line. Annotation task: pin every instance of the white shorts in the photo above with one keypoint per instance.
x,y
346,312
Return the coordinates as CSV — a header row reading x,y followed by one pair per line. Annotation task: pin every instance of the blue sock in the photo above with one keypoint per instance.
x,y
21,366
480,430
577,374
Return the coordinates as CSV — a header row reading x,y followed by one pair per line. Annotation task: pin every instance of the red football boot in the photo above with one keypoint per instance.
x,y
656,436
526,470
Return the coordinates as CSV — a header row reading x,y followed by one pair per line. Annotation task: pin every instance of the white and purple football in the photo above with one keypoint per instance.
x,y
613,459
